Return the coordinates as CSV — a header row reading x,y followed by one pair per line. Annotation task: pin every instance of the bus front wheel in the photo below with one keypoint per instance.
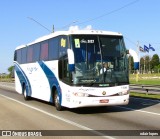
x,y
26,97
57,101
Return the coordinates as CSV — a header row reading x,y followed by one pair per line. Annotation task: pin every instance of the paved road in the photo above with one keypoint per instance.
x,y
149,89
17,114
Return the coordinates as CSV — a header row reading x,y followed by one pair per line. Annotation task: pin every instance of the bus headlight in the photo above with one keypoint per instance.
x,y
126,92
123,92
79,94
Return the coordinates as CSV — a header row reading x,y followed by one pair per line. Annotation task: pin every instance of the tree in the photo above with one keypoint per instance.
x,y
157,68
10,70
155,61
141,65
147,64
131,63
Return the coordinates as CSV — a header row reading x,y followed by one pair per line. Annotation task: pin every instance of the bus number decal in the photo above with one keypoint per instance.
x,y
63,42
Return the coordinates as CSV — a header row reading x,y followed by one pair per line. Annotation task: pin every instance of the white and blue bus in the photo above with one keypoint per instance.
x,y
74,69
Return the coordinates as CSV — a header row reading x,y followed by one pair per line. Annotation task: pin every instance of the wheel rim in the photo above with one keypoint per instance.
x,y
25,94
56,99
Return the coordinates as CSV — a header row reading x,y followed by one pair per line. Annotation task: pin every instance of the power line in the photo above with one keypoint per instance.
x,y
68,25
40,24
151,42
144,42
130,40
88,20
111,12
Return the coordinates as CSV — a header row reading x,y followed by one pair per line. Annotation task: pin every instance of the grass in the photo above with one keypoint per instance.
x,y
145,79
144,95
148,79
6,79
146,82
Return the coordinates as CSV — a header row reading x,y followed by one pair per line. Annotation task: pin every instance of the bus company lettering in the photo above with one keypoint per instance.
x,y
32,69
86,89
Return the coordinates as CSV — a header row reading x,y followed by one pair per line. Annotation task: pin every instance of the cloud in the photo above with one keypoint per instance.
x,y
89,27
74,28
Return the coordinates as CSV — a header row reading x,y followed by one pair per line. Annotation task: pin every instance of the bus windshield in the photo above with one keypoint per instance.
x,y
99,60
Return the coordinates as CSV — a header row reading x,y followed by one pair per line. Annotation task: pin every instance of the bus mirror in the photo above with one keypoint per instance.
x,y
71,63
127,51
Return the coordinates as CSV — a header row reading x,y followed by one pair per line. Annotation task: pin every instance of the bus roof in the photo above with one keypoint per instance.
x,y
71,32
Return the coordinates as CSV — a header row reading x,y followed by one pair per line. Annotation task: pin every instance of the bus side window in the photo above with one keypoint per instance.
x,y
53,48
24,55
36,51
63,69
63,59
15,55
30,54
19,55
44,51
63,46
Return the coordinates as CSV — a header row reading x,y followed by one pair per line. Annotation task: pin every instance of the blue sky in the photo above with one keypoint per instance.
x,y
139,21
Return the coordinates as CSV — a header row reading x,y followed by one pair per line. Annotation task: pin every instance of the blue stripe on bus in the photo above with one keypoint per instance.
x,y
23,79
52,80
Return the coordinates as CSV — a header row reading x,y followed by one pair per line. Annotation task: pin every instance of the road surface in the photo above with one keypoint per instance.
x,y
148,89
140,115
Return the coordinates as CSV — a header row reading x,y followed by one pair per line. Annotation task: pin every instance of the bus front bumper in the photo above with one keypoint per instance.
x,y
76,102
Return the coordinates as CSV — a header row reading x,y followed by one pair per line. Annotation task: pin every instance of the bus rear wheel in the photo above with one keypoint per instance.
x,y
57,101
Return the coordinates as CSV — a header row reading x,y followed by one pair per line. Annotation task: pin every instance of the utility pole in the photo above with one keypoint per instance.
x,y
53,29
138,53
138,70
144,66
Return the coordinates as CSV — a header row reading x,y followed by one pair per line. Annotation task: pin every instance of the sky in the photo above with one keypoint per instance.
x,y
137,20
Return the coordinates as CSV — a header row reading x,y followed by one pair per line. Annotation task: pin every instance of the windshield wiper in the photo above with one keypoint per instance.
x,y
101,59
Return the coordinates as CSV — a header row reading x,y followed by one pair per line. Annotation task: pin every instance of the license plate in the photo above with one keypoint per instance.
x,y
104,101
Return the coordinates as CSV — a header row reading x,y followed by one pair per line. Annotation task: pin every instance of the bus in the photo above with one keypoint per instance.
x,y
73,69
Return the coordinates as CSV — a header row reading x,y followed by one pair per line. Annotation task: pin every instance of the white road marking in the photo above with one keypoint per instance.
x,y
153,113
60,118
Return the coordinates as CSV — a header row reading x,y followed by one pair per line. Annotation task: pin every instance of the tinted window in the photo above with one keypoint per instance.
x,y
53,48
63,46
15,55
24,55
44,50
36,52
19,56
111,45
30,54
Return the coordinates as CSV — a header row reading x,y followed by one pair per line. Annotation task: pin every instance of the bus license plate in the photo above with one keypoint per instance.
x,y
104,101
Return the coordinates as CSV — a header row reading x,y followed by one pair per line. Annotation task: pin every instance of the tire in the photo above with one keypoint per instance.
x,y
26,97
57,101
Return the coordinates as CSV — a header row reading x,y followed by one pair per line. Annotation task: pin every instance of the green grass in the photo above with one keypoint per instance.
x,y
148,79
144,95
6,79
146,82
145,79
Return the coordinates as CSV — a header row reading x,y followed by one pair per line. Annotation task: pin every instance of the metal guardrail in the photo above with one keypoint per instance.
x,y
148,89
